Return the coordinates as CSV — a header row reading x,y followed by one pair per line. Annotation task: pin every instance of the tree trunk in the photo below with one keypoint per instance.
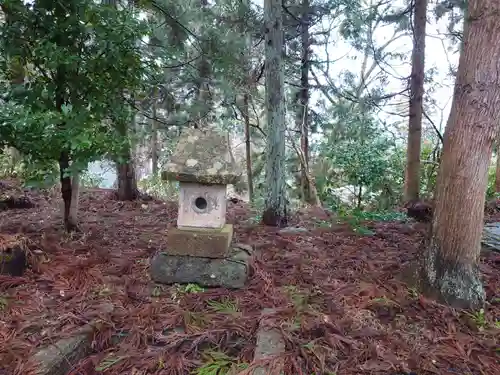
x,y
69,217
275,213
497,170
248,145
309,179
412,178
75,197
249,84
154,143
359,197
203,102
127,183
449,269
303,113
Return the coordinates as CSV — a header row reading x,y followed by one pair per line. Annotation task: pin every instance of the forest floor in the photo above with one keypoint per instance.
x,y
340,303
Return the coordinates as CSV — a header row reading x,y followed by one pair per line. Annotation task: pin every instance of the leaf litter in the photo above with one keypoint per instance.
x,y
339,302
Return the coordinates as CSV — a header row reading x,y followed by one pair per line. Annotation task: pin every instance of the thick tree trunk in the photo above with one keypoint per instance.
x,y
450,263
412,178
275,213
127,183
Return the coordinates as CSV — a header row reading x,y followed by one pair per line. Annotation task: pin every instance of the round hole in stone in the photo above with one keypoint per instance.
x,y
200,203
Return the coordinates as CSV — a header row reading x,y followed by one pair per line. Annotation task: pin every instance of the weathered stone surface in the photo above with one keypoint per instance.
x,y
245,247
270,342
13,261
60,357
202,157
294,230
491,236
200,242
201,205
231,272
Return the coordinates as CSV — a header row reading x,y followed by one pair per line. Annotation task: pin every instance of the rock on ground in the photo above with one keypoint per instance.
x,y
60,357
270,343
231,272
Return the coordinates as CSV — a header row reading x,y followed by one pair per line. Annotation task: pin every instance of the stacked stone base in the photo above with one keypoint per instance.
x,y
202,257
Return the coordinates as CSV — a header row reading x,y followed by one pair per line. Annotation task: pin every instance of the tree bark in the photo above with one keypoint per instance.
x,y
359,197
127,182
69,216
75,198
449,269
275,212
154,142
249,84
303,113
412,178
203,102
248,145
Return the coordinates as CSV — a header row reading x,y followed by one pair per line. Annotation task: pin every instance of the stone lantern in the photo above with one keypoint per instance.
x,y
199,249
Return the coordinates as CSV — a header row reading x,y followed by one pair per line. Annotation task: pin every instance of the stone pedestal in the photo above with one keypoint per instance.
x,y
199,249
229,272
200,242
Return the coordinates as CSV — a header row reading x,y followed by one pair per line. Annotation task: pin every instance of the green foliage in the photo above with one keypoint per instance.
x,y
357,219
90,180
80,58
361,158
490,192
429,168
218,363
377,216
479,319
156,187
226,306
192,288
108,362
32,172
4,303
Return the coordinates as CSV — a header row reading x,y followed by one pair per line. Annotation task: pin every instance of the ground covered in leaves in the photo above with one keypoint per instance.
x,y
339,301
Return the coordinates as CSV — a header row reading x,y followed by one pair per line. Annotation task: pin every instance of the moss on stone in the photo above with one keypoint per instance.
x,y
202,157
453,283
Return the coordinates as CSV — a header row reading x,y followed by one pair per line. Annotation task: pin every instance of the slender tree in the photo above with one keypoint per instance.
x,y
303,108
449,269
412,180
275,213
497,168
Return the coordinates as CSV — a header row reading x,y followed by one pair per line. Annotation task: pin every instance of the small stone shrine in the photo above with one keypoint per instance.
x,y
199,249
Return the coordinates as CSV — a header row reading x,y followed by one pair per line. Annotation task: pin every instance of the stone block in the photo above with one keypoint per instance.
x,y
204,157
207,243
13,261
230,272
201,205
270,343
59,357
